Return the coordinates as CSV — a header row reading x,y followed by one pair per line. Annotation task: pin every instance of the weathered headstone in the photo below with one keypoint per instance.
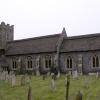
x,y
97,75
7,79
22,80
44,76
48,74
13,80
58,75
37,73
3,75
79,96
92,74
27,79
75,75
53,85
52,74
70,72
86,82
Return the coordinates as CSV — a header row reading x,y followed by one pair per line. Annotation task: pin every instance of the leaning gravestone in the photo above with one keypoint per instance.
x,y
75,74
53,85
37,73
13,80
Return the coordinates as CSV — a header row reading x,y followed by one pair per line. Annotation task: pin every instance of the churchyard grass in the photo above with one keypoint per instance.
x,y
41,89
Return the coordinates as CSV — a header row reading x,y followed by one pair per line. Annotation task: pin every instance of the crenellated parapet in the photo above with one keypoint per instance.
x,y
6,34
6,26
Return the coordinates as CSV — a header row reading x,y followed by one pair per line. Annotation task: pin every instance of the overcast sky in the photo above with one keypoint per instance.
x,y
32,18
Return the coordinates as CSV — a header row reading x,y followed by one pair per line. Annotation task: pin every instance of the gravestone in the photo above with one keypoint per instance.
x,y
22,80
7,79
79,96
37,73
75,74
13,80
86,82
48,74
70,72
53,85
52,74
3,75
44,77
27,79
58,75
92,74
97,75
65,81
0,80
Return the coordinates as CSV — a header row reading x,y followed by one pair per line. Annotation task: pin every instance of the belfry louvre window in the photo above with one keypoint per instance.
x,y
69,62
95,61
47,61
29,62
14,63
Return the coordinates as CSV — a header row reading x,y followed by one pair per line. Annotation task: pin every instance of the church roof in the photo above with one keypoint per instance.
x,y
81,43
32,45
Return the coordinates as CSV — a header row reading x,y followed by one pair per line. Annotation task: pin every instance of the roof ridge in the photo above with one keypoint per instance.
x,y
33,38
83,36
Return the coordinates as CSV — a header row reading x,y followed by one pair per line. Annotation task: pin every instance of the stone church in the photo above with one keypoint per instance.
x,y
81,53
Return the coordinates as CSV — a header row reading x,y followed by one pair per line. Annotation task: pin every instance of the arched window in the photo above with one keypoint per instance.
x,y
69,62
29,62
95,61
47,61
14,63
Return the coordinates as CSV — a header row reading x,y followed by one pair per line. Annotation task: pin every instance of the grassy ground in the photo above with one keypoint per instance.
x,y
41,89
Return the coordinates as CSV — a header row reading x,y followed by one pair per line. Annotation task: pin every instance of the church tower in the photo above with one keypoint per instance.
x,y
6,34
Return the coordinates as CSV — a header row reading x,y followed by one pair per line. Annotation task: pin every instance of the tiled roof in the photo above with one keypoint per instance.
x,y
81,43
32,45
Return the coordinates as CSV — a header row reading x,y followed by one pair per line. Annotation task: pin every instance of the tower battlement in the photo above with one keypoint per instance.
x,y
6,26
6,34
